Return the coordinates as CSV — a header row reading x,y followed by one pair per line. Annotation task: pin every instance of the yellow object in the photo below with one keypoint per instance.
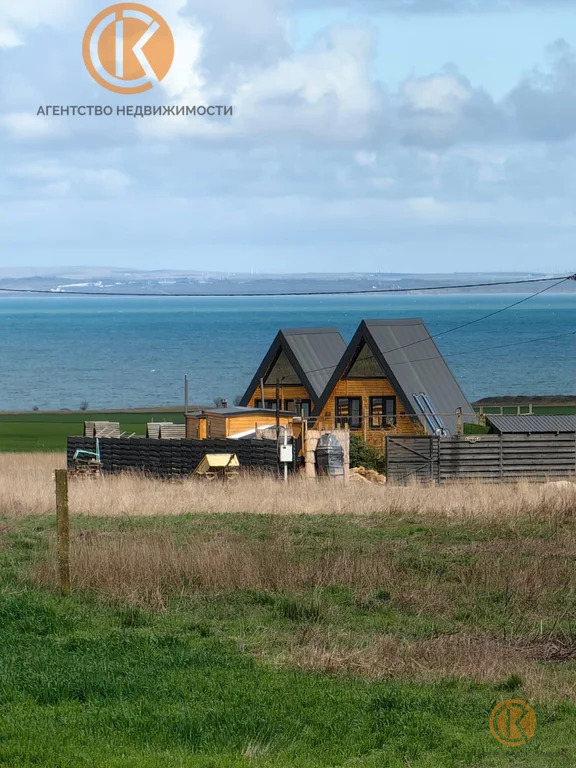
x,y
213,462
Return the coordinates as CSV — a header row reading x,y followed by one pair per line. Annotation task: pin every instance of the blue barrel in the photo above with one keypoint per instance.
x,y
330,456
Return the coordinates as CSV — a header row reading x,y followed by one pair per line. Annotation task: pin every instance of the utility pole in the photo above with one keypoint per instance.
x,y
277,406
185,394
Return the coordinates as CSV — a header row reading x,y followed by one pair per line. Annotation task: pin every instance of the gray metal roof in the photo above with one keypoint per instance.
x,y
413,363
241,411
418,366
530,423
318,351
313,352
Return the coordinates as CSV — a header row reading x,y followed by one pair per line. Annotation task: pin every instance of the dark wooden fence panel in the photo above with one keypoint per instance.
x,y
167,458
486,457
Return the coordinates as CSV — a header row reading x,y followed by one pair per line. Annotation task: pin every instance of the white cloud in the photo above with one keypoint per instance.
x,y
55,179
21,16
325,92
27,126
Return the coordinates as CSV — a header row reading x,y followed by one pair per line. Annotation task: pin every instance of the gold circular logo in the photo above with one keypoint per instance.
x,y
128,48
513,722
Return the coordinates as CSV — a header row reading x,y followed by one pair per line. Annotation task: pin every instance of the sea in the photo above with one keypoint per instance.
x,y
58,351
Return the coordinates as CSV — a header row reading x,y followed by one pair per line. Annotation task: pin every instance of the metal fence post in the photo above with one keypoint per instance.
x,y
63,530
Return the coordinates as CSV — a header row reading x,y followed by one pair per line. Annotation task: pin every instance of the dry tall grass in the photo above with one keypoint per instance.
x,y
459,656
152,566
26,488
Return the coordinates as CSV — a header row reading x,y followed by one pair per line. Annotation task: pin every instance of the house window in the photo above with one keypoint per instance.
x,y
287,405
349,411
303,406
382,412
271,404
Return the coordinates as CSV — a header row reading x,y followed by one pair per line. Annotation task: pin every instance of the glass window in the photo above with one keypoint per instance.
x,y
299,407
349,411
382,412
271,404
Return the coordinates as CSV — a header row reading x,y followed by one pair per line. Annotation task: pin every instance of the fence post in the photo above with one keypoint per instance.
x,y
63,530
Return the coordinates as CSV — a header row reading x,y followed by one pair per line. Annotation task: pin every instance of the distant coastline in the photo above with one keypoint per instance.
x,y
103,281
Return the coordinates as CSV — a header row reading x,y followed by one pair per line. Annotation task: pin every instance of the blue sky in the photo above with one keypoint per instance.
x,y
368,135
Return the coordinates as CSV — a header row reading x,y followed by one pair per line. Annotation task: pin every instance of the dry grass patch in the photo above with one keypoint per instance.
x,y
150,568
26,488
453,657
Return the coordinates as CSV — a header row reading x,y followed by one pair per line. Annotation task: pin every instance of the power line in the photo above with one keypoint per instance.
x,y
457,328
473,351
484,317
490,349
267,294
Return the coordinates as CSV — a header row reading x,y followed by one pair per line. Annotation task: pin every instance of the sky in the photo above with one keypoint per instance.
x,y
367,135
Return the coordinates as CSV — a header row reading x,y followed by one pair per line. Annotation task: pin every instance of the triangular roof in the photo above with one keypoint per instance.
x,y
412,362
314,353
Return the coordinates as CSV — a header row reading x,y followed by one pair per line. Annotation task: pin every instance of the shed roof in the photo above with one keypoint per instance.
x,y
532,423
314,353
240,411
411,360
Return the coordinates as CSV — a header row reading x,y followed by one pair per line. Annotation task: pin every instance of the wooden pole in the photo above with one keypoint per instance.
x,y
63,530
278,407
263,401
459,421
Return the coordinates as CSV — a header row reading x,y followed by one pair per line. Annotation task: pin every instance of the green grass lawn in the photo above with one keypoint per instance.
x,y
110,678
41,432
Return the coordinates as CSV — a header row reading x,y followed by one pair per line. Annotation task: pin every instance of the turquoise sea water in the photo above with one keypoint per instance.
x,y
57,351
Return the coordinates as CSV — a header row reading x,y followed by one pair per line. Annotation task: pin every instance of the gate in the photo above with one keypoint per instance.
x,y
412,458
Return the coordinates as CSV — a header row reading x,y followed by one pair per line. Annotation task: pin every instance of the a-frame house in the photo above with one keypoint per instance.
x,y
297,367
392,379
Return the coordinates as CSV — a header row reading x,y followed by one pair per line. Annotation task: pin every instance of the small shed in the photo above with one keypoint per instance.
x,y
531,424
233,422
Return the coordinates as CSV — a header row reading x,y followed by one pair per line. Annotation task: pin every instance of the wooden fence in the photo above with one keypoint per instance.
x,y
497,458
167,458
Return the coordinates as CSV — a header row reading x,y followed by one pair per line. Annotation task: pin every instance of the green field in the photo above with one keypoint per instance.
x,y
221,664
40,432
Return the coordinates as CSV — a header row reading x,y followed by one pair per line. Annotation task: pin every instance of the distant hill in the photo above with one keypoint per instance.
x,y
99,280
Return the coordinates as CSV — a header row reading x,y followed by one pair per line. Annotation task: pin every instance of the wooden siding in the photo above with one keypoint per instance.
x,y
238,424
196,427
287,392
367,388
215,425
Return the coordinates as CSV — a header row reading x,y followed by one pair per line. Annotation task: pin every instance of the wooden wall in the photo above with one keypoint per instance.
x,y
238,424
366,388
286,393
196,427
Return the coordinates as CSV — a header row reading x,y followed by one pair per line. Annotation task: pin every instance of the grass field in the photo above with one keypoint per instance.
x,y
47,431
212,626
34,432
